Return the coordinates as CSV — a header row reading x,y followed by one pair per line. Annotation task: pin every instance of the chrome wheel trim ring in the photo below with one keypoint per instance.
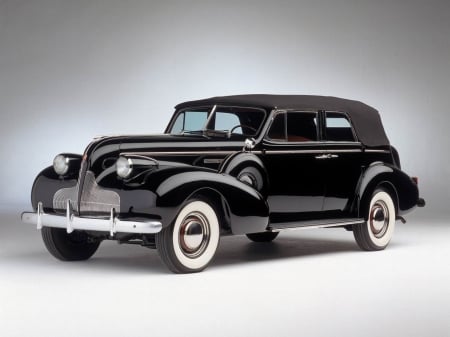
x,y
379,219
194,235
196,262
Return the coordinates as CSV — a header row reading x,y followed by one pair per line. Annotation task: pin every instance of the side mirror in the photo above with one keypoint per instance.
x,y
249,144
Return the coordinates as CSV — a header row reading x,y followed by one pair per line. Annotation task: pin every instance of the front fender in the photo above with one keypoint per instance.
x,y
377,174
249,212
46,184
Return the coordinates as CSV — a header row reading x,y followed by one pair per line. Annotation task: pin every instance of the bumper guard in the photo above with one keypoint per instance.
x,y
71,222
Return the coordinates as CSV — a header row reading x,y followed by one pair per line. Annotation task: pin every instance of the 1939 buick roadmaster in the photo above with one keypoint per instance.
x,y
232,165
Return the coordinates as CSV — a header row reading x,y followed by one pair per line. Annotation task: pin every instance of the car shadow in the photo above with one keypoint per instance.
x,y
232,251
110,257
236,250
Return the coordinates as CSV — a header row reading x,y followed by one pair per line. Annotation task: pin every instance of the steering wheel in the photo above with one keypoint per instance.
x,y
241,126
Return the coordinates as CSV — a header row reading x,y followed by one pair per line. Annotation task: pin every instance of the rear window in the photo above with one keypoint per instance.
x,y
338,128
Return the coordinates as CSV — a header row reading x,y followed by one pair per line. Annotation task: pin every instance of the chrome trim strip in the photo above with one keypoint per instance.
x,y
178,153
312,143
377,151
71,222
314,151
190,145
212,161
189,153
306,226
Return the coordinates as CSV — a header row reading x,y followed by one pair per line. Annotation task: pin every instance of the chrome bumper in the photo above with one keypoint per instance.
x,y
71,222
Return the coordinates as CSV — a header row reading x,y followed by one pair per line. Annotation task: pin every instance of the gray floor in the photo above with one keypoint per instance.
x,y
308,283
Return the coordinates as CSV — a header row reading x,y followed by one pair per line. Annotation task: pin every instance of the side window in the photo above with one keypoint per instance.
x,y
189,120
237,120
338,128
278,128
300,127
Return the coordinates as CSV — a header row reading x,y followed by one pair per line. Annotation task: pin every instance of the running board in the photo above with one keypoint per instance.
x,y
314,224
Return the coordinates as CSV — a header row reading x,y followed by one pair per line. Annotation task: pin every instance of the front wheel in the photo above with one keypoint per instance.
x,y
377,231
76,246
189,244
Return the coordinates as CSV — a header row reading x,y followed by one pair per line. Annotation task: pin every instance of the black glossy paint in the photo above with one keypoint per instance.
x,y
301,181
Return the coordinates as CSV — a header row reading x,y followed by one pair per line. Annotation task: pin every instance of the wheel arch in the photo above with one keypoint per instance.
x,y
386,185
242,208
399,185
237,162
220,204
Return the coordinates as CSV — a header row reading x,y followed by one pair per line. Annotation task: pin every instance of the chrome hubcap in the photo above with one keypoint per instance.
x,y
379,219
194,234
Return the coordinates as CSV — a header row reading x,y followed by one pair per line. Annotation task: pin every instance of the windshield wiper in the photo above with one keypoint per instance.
x,y
191,132
216,133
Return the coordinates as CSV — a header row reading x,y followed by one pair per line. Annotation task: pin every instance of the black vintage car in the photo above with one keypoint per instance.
x,y
246,164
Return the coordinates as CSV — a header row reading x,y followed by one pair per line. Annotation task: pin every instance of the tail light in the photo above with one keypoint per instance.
x,y
416,180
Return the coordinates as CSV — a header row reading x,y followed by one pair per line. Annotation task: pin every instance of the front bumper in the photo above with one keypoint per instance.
x,y
71,222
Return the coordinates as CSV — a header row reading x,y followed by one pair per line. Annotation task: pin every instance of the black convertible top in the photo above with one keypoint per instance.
x,y
365,119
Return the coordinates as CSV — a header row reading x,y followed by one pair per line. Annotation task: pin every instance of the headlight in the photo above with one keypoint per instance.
x,y
124,166
61,164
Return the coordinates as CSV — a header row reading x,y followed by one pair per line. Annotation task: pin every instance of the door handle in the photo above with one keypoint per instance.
x,y
326,156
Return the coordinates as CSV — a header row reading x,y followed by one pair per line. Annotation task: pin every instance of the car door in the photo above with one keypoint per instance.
x,y
296,184
341,163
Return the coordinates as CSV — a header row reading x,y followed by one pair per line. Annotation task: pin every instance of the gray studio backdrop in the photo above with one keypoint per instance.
x,y
71,70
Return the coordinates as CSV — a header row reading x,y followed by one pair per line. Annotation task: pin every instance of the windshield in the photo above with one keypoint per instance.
x,y
218,120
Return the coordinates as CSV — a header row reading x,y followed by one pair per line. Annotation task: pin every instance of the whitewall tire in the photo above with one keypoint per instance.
x,y
190,243
377,231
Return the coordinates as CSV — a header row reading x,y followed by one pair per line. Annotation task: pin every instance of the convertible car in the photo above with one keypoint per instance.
x,y
251,165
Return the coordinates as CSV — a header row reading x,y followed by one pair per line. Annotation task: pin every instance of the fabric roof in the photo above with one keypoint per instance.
x,y
365,119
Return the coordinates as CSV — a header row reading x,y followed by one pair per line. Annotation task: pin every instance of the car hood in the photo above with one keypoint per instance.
x,y
110,147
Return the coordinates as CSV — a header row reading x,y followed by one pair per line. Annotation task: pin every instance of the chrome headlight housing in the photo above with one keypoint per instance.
x,y
124,167
61,164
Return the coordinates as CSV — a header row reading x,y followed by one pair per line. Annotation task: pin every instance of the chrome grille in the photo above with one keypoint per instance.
x,y
61,196
94,199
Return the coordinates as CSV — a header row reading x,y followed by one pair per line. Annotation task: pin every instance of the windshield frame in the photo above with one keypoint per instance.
x,y
212,109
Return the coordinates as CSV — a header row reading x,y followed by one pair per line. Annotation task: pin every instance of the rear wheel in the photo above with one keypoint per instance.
x,y
190,243
76,246
262,237
251,176
377,231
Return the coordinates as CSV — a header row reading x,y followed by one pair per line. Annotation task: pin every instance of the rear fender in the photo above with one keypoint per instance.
x,y
404,190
